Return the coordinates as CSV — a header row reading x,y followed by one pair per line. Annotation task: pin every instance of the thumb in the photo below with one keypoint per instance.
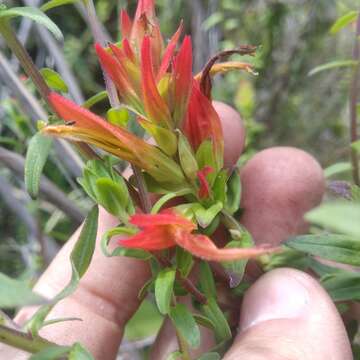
x,y
286,314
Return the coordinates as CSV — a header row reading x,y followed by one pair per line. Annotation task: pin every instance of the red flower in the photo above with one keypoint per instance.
x,y
168,228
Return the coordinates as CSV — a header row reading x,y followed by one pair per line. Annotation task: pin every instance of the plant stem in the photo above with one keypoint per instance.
x,y
23,341
185,282
353,104
24,59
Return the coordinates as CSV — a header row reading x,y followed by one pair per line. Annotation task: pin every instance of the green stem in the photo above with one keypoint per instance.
x,y
183,347
24,59
23,341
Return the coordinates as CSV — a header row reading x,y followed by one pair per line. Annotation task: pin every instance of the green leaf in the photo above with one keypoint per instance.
x,y
219,187
337,168
184,261
187,158
343,286
343,21
14,293
206,280
164,285
185,324
34,14
338,248
55,3
113,196
204,321
210,356
78,352
54,80
118,116
93,100
83,250
51,353
164,199
213,20
339,216
80,259
120,251
233,194
204,216
205,156
36,156
236,269
213,312
286,258
333,65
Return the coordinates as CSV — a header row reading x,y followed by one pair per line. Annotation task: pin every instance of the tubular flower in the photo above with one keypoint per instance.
x,y
85,126
168,228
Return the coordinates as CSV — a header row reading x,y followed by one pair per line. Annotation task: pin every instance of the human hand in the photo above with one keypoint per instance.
x,y
284,315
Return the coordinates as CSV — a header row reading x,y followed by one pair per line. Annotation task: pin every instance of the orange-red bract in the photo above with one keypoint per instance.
x,y
168,228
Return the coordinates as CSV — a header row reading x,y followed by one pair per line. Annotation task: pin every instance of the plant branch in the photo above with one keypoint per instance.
x,y
23,341
25,59
16,163
353,104
185,282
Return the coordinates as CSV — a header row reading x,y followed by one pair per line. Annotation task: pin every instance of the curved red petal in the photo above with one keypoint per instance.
x,y
202,247
162,219
155,238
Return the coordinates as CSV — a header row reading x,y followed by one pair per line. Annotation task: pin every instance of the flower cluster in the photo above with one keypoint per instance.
x,y
155,82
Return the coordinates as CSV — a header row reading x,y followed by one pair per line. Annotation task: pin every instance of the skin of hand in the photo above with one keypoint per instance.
x,y
285,315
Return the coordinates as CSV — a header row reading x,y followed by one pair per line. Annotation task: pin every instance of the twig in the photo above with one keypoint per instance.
x,y
58,56
16,163
25,59
36,112
353,104
185,282
23,341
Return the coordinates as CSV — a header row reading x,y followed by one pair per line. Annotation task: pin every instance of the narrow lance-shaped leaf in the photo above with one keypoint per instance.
x,y
80,259
213,312
339,248
343,21
343,286
36,156
34,14
333,65
55,3
53,80
164,285
185,324
339,216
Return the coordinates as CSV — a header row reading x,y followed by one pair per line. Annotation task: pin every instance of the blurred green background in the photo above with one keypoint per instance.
x,y
282,105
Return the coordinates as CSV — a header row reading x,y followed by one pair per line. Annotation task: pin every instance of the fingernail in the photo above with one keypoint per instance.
x,y
274,296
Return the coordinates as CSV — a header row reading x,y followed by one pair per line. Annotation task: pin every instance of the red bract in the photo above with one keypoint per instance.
x,y
167,229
